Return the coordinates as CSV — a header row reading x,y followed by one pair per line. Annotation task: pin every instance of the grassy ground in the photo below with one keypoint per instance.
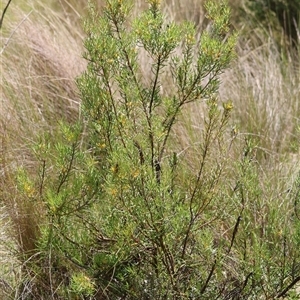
x,y
41,49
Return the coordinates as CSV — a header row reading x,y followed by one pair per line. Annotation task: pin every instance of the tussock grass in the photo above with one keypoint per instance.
x,y
264,88
40,59
39,63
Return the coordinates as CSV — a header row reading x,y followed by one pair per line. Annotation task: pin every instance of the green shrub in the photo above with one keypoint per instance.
x,y
122,210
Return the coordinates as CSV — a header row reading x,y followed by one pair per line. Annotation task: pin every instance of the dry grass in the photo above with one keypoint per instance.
x,y
41,49
264,89
40,58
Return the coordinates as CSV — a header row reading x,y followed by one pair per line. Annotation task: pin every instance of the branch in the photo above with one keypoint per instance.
x,y
290,286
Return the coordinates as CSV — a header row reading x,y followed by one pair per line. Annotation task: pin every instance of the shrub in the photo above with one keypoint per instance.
x,y
123,211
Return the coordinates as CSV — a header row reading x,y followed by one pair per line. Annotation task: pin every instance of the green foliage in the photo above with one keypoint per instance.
x,y
284,13
82,285
125,215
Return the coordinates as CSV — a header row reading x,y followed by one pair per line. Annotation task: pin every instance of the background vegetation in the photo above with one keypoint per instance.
x,y
257,187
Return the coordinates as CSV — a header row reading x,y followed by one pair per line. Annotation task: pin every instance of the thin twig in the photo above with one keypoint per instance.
x,y
209,277
235,230
3,14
